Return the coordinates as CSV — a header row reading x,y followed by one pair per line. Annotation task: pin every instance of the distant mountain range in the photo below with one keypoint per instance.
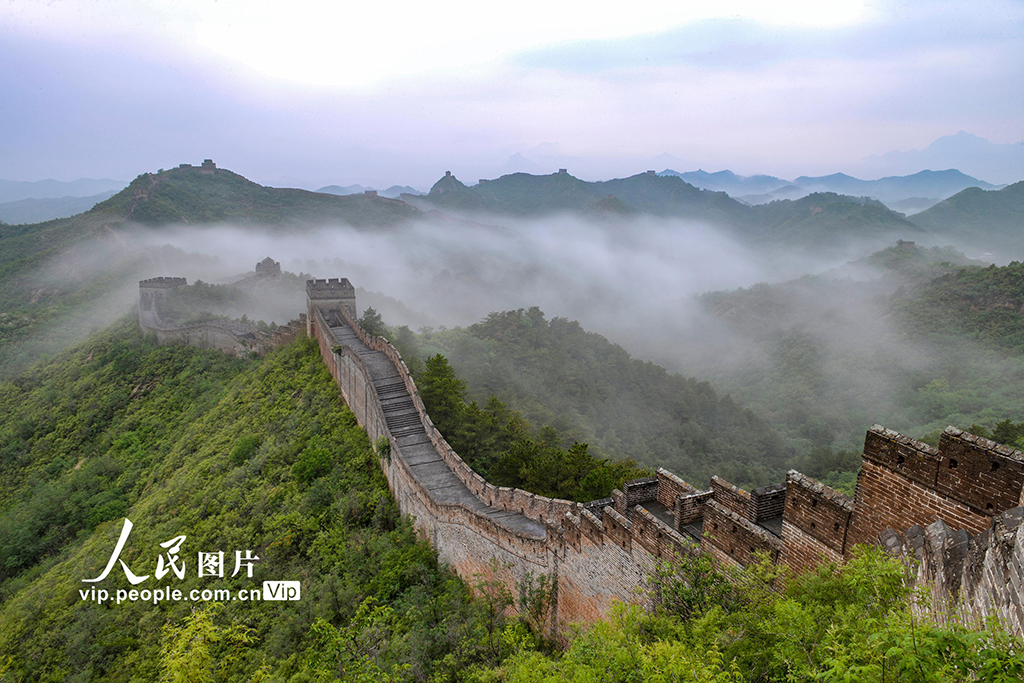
x,y
394,192
39,210
925,188
991,219
818,219
727,181
998,162
14,190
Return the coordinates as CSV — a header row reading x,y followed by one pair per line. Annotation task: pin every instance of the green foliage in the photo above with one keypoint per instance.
x,y
847,623
245,448
373,323
313,462
591,391
197,650
234,454
973,303
496,442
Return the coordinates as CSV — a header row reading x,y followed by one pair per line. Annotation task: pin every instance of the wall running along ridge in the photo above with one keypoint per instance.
x,y
230,336
598,552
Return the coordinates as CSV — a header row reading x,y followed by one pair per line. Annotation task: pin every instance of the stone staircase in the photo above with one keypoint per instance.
x,y
414,445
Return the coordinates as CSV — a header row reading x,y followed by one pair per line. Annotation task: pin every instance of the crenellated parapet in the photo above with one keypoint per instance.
x,y
230,336
598,552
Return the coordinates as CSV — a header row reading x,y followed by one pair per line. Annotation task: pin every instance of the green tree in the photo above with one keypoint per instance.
x,y
443,394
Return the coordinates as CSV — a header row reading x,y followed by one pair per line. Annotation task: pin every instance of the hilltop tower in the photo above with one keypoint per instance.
x,y
329,294
152,291
268,267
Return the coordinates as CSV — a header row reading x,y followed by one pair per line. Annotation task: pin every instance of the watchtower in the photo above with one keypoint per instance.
x,y
333,294
268,267
152,291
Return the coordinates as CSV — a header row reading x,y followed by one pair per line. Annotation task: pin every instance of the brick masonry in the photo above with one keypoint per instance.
x,y
955,507
601,552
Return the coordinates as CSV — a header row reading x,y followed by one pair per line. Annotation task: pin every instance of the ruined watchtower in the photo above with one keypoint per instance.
x,y
268,267
329,294
151,291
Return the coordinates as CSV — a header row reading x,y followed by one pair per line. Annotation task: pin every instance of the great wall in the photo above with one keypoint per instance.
x,y
229,336
953,512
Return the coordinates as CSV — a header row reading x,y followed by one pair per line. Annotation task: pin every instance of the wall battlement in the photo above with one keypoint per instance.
x,y
230,336
162,283
602,551
329,289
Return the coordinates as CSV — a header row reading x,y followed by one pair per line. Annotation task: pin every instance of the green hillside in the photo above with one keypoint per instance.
x,y
555,373
824,218
991,218
909,337
194,196
234,454
982,304
819,220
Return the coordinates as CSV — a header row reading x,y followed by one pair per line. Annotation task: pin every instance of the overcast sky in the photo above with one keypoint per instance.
x,y
310,93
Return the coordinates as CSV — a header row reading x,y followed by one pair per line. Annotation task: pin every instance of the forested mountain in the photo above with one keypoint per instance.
x,y
909,337
814,221
557,374
235,454
989,218
822,219
191,194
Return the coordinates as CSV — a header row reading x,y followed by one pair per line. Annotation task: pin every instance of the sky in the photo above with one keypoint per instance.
x,y
308,93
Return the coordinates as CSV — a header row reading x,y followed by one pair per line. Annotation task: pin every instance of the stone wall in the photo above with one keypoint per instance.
x,y
593,562
957,503
898,487
734,539
969,578
815,523
603,551
228,336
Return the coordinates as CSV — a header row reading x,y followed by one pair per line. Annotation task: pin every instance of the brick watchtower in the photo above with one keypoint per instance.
x,y
327,295
151,291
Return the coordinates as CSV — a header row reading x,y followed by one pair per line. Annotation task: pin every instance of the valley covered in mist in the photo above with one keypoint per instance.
x,y
812,319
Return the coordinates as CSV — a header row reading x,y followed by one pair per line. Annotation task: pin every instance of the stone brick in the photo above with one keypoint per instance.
x,y
731,497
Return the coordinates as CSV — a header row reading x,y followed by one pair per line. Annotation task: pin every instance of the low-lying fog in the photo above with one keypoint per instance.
x,y
636,282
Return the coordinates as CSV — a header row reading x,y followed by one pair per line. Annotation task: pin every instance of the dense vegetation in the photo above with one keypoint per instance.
x,y
979,304
909,337
498,444
847,623
235,454
189,195
591,391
